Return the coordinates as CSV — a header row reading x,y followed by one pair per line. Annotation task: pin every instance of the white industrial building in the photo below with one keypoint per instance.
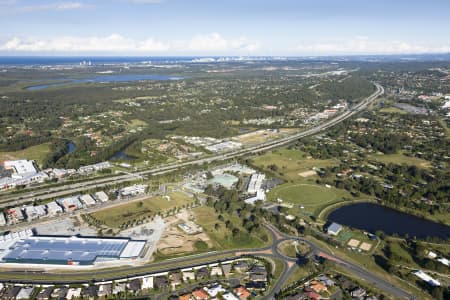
x,y
87,200
14,215
34,212
2,219
23,172
70,204
21,168
255,190
134,190
224,146
95,167
53,209
101,196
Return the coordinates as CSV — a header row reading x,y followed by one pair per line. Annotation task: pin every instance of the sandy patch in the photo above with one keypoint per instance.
x,y
353,243
174,240
365,246
307,173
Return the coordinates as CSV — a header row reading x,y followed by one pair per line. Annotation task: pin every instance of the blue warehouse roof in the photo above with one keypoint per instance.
x,y
63,250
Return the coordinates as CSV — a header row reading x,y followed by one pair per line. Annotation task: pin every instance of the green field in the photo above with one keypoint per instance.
x,y
393,110
222,238
290,163
121,214
401,159
37,153
310,196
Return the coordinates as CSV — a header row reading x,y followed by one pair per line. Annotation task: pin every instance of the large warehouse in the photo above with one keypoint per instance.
x,y
74,250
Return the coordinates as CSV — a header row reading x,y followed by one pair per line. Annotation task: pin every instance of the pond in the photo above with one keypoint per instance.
x,y
103,78
70,147
372,217
121,155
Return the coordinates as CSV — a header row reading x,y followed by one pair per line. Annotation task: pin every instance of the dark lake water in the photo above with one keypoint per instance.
x,y
104,78
121,155
372,217
71,147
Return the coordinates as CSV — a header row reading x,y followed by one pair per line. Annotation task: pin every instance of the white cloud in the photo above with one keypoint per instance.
x,y
115,43
364,45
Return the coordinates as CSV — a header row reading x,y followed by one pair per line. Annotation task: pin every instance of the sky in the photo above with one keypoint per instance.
x,y
223,27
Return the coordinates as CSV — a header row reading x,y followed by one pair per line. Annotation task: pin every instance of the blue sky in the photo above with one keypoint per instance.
x,y
223,27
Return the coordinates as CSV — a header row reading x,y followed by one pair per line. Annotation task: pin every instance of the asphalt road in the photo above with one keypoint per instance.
x,y
52,192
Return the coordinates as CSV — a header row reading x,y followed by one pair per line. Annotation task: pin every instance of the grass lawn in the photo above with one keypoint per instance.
x,y
37,153
401,159
310,196
290,163
222,238
118,215
393,110
288,249
135,123
300,273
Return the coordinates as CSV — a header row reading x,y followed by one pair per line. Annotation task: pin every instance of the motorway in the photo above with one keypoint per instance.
x,y
53,192
270,252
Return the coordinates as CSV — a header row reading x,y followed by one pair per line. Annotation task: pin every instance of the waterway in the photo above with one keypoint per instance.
x,y
103,79
372,217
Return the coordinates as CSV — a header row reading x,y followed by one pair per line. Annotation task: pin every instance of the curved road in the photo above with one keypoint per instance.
x,y
72,188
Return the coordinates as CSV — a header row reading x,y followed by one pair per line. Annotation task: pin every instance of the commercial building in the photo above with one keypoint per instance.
x,y
2,219
255,189
14,215
21,168
134,190
95,167
53,209
72,250
70,204
101,196
34,212
87,200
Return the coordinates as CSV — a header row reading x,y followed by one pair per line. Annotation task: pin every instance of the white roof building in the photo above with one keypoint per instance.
x,y
133,190
147,282
444,261
25,293
229,296
2,219
22,168
214,290
87,200
255,183
53,208
427,278
334,229
73,293
101,196
34,212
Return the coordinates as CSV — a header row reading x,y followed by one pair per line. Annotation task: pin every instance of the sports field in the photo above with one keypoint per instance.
x,y
310,196
121,214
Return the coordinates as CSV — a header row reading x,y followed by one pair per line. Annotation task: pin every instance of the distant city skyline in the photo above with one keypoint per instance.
x,y
232,27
